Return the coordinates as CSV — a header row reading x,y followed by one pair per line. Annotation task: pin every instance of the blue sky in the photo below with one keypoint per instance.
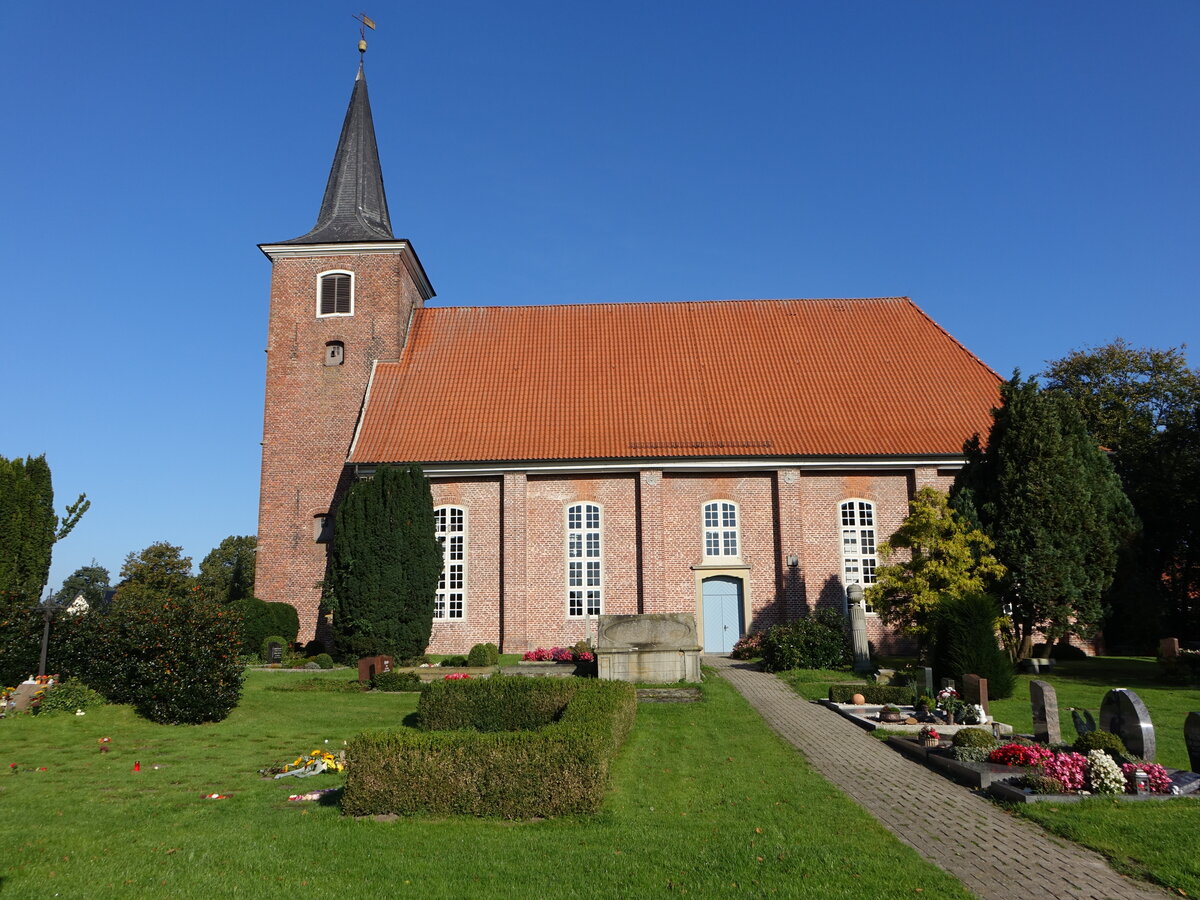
x,y
1025,171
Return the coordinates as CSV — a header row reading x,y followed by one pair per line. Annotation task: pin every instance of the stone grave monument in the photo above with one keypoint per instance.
x,y
274,652
370,666
1123,713
1044,700
1191,734
656,647
975,690
858,630
1168,648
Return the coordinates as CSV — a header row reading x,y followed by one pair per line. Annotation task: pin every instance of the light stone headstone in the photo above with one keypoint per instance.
x,y
1168,648
1044,701
1123,713
975,691
1191,734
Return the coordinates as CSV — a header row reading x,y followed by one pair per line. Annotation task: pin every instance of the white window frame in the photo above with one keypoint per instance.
x,y
450,603
857,524
353,286
584,557
718,533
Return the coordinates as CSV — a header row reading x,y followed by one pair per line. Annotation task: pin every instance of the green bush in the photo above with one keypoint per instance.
x,y
817,642
872,693
319,685
965,643
558,769
396,681
264,648
484,655
324,660
454,662
973,737
262,620
971,754
20,642
1100,740
69,696
1043,784
499,703
1061,650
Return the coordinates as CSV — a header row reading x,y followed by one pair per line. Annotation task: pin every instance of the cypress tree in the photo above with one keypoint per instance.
x,y
1049,498
27,528
384,566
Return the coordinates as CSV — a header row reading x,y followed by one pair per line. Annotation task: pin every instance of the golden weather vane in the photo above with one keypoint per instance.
x,y
364,22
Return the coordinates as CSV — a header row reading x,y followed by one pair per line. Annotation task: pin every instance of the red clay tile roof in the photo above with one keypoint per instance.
x,y
734,378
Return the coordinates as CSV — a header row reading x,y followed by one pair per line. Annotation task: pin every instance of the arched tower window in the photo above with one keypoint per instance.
x,y
335,294
858,543
585,580
450,525
721,529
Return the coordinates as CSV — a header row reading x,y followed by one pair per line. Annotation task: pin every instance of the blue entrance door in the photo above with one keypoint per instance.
x,y
722,613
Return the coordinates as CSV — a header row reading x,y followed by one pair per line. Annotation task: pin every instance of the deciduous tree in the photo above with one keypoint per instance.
x,y
227,573
160,571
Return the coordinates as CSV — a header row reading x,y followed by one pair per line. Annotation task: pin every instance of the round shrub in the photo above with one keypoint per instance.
x,y
70,696
396,681
324,660
264,649
454,661
974,737
748,646
1100,740
483,655
817,642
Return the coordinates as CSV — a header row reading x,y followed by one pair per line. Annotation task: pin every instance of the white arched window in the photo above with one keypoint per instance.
x,y
335,294
450,525
721,529
585,580
858,543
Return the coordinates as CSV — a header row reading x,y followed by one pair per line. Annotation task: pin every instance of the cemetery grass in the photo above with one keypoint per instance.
x,y
706,800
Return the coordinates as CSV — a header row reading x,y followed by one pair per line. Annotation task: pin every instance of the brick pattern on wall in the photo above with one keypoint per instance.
x,y
311,410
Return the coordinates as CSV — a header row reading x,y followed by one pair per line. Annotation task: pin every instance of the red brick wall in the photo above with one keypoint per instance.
x,y
311,409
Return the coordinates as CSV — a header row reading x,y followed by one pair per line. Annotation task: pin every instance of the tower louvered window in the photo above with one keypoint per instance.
x,y
336,294
585,580
450,525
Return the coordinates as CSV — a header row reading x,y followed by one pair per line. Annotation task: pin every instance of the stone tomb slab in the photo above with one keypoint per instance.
x,y
650,648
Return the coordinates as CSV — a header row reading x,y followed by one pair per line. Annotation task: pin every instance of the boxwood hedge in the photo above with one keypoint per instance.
x,y
872,693
521,747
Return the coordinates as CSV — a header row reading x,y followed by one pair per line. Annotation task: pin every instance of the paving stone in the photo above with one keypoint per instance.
x,y
968,836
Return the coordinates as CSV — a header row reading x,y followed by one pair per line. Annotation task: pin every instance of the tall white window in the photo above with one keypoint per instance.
x,y
720,528
858,543
335,294
450,524
585,582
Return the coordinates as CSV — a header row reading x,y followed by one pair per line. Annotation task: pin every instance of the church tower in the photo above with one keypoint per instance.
x,y
342,296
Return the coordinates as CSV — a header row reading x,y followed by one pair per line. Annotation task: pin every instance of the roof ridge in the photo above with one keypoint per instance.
x,y
625,303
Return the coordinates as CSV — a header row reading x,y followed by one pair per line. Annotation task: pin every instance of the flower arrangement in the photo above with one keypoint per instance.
x,y
457,676
928,736
559,654
1019,755
1104,775
1069,768
1160,782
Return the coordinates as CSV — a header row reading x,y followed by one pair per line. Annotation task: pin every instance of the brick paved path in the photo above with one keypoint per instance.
x,y
996,855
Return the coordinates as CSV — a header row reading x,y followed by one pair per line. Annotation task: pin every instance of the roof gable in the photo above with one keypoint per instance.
x,y
737,378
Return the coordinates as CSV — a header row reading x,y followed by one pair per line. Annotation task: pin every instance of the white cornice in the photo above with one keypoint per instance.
x,y
307,251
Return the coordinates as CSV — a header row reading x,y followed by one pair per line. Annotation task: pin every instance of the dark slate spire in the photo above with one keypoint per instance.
x,y
354,208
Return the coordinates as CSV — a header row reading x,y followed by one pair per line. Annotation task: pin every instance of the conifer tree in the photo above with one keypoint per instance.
x,y
1049,498
384,566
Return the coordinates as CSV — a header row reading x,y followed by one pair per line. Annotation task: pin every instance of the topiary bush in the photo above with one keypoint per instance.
x,y
324,660
69,696
1100,740
457,661
817,642
319,685
499,703
965,643
483,655
394,681
973,737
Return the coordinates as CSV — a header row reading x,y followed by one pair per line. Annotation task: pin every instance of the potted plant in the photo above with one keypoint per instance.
x,y
928,736
890,714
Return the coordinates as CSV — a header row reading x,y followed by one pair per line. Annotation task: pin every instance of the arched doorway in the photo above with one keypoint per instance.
x,y
722,613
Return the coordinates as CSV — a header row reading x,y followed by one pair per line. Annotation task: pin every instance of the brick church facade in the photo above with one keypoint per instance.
x,y
739,460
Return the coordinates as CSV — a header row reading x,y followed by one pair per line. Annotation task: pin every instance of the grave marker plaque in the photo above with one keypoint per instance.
x,y
274,652
1123,713
1191,734
370,666
1044,701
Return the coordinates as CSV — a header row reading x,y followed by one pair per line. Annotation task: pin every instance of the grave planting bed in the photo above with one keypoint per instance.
x,y
866,716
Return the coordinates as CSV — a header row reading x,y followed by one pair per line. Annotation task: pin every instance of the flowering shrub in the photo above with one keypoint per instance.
x,y
1160,782
1069,768
1104,776
1020,755
559,654
457,676
748,646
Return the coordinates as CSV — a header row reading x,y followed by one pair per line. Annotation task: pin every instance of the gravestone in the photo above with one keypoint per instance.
x,y
370,666
975,691
1044,701
1123,713
923,682
1191,734
274,652
948,683
1168,648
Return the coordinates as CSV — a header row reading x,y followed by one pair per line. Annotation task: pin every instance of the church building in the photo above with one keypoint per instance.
x,y
740,460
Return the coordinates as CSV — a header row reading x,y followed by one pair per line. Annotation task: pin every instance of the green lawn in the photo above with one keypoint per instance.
x,y
706,801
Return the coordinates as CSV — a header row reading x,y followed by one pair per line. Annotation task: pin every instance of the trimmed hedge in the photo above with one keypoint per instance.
x,y
393,681
559,768
872,693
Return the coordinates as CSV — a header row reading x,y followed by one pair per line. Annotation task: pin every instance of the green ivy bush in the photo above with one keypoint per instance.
x,y
817,642
396,681
560,768
872,693
484,655
263,621
971,754
69,696
20,641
